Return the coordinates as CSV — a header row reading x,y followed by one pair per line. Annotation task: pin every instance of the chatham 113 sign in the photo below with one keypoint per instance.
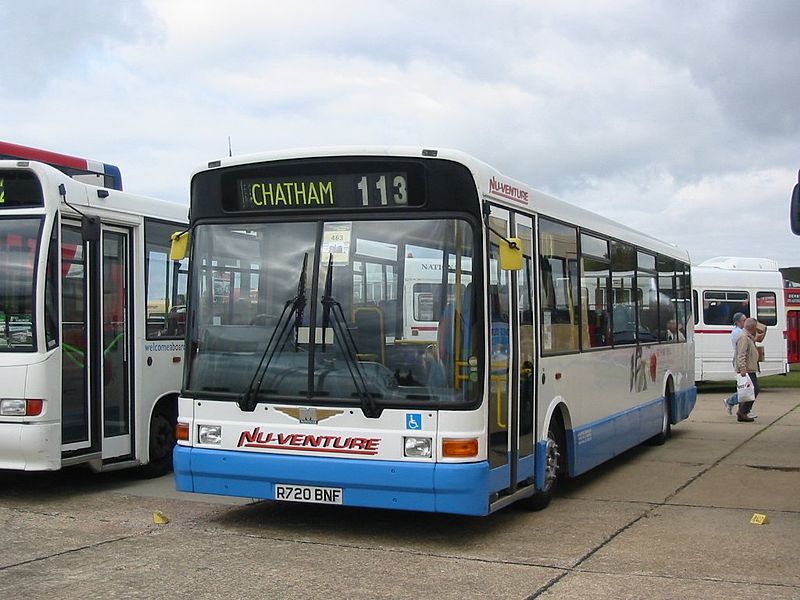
x,y
341,190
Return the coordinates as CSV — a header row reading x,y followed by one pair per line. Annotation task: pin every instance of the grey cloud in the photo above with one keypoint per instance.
x,y
54,39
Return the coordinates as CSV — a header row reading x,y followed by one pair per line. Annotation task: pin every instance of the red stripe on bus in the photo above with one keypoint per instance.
x,y
44,156
712,331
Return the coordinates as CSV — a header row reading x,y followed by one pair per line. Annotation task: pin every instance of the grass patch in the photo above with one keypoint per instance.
x,y
790,380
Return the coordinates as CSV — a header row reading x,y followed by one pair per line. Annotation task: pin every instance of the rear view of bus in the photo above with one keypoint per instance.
x,y
725,286
364,330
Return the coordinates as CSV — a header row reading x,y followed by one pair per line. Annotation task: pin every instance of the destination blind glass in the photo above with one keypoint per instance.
x,y
19,189
391,189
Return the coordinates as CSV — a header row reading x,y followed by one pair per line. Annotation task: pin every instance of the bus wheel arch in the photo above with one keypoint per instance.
x,y
161,436
555,459
666,414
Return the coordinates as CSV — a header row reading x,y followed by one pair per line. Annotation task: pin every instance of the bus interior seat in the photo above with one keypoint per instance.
x,y
369,333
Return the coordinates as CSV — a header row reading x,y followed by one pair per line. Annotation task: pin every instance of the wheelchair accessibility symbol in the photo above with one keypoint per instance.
x,y
413,421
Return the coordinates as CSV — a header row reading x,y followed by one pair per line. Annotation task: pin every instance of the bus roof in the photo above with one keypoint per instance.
x,y
63,162
740,263
86,196
491,184
730,272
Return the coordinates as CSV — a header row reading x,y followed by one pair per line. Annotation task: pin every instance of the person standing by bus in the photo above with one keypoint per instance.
x,y
738,328
747,364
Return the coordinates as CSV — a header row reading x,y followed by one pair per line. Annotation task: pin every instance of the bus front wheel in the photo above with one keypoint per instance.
x,y
554,467
162,442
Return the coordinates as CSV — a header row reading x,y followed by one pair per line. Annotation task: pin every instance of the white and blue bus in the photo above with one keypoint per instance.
x,y
554,340
92,320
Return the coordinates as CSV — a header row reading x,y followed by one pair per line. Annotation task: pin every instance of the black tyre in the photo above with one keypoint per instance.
x,y
666,423
555,462
162,442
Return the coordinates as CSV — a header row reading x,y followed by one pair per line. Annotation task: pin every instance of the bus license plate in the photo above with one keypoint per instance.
x,y
308,493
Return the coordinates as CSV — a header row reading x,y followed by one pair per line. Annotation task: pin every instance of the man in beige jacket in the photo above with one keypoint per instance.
x,y
747,364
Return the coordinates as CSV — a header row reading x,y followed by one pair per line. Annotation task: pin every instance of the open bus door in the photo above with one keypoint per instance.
x,y
512,389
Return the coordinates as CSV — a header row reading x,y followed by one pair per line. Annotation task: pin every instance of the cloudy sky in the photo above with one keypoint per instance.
x,y
678,118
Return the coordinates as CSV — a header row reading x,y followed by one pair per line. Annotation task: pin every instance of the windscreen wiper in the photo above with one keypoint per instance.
x,y
291,316
341,333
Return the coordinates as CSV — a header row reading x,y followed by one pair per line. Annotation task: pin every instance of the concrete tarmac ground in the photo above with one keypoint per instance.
x,y
670,521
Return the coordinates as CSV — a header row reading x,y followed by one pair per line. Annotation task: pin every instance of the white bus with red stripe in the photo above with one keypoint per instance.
x,y
723,286
91,323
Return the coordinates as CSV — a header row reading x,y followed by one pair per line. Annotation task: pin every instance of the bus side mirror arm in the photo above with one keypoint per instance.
x,y
90,225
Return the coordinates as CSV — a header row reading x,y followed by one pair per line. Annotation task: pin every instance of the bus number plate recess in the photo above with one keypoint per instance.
x,y
308,493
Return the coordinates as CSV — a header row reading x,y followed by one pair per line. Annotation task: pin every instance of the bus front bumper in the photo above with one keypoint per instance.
x,y
30,446
450,488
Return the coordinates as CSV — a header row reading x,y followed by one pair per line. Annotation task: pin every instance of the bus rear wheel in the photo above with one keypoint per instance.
x,y
554,467
666,423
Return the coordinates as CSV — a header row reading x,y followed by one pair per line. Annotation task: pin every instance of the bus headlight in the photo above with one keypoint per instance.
x,y
417,447
209,434
12,407
19,407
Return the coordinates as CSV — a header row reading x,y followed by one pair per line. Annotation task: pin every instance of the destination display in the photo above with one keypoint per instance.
x,y
311,192
19,189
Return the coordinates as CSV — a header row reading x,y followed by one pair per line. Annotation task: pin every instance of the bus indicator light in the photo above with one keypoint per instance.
x,y
460,447
182,432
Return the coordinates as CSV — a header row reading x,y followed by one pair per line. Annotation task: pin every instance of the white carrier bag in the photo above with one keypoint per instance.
x,y
744,388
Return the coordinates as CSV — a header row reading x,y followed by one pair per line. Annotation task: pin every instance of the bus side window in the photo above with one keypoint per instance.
x,y
559,295
165,283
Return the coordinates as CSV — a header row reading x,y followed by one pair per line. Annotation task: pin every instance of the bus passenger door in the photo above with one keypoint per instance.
x,y
95,373
115,343
512,367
